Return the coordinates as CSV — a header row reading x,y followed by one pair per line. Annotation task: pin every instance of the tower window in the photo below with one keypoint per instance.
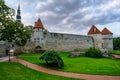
x,y
38,29
87,40
103,45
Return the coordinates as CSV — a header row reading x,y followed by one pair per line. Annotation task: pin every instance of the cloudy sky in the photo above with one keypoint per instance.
x,y
71,16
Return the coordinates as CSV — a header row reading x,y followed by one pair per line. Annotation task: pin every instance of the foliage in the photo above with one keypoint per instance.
x,y
114,52
23,34
93,52
116,43
12,31
9,31
84,65
6,13
52,57
45,31
16,32
16,71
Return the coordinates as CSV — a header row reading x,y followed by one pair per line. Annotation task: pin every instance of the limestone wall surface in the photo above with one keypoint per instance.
x,y
2,49
66,42
98,40
108,41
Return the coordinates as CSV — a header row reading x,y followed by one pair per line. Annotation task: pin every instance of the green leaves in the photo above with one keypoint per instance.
x,y
23,34
52,57
116,43
13,31
93,52
8,32
5,12
16,32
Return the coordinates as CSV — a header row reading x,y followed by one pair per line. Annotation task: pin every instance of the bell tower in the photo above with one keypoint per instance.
x,y
18,16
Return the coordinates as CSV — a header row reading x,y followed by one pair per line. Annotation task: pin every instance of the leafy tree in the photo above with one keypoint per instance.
x,y
52,57
6,19
16,32
93,52
116,43
22,35
6,13
12,30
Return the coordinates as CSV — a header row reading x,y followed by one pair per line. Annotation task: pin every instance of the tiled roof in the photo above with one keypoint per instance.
x,y
94,30
106,31
38,24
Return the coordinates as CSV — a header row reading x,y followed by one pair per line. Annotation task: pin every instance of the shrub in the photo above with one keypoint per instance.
x,y
114,52
52,57
93,52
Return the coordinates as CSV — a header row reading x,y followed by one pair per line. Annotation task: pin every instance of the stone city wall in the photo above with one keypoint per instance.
x,y
66,42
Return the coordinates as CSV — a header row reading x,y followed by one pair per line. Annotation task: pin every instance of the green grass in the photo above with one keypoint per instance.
x,y
16,71
114,52
101,66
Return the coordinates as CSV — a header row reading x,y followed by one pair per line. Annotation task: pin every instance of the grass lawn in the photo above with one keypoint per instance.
x,y
16,71
84,65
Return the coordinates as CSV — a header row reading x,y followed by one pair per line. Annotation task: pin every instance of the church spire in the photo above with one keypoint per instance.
x,y
18,16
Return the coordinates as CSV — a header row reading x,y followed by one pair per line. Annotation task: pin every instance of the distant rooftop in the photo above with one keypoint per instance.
x,y
38,24
106,31
94,30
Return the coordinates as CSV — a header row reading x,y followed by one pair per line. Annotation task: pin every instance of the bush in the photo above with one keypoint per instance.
x,y
116,43
93,52
52,57
114,52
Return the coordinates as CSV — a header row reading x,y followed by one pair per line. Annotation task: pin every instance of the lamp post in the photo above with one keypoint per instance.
x,y
11,51
9,55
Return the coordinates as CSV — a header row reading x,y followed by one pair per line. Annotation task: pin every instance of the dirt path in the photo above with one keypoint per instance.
x,y
6,58
66,74
116,56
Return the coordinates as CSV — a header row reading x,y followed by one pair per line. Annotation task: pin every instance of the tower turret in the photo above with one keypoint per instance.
x,y
38,32
107,39
96,34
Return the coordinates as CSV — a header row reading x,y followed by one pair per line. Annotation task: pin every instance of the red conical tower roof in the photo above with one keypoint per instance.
x,y
106,31
94,30
38,24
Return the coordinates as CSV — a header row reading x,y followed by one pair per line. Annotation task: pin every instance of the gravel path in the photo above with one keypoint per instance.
x,y
66,74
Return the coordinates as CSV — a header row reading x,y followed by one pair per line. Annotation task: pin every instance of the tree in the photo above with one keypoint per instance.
x,y
52,57
116,43
6,13
23,34
16,32
13,31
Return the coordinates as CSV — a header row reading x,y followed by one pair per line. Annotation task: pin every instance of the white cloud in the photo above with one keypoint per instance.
x,y
27,19
86,9
70,16
110,5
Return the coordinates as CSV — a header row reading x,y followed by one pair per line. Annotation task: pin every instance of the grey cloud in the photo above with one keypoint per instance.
x,y
73,15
